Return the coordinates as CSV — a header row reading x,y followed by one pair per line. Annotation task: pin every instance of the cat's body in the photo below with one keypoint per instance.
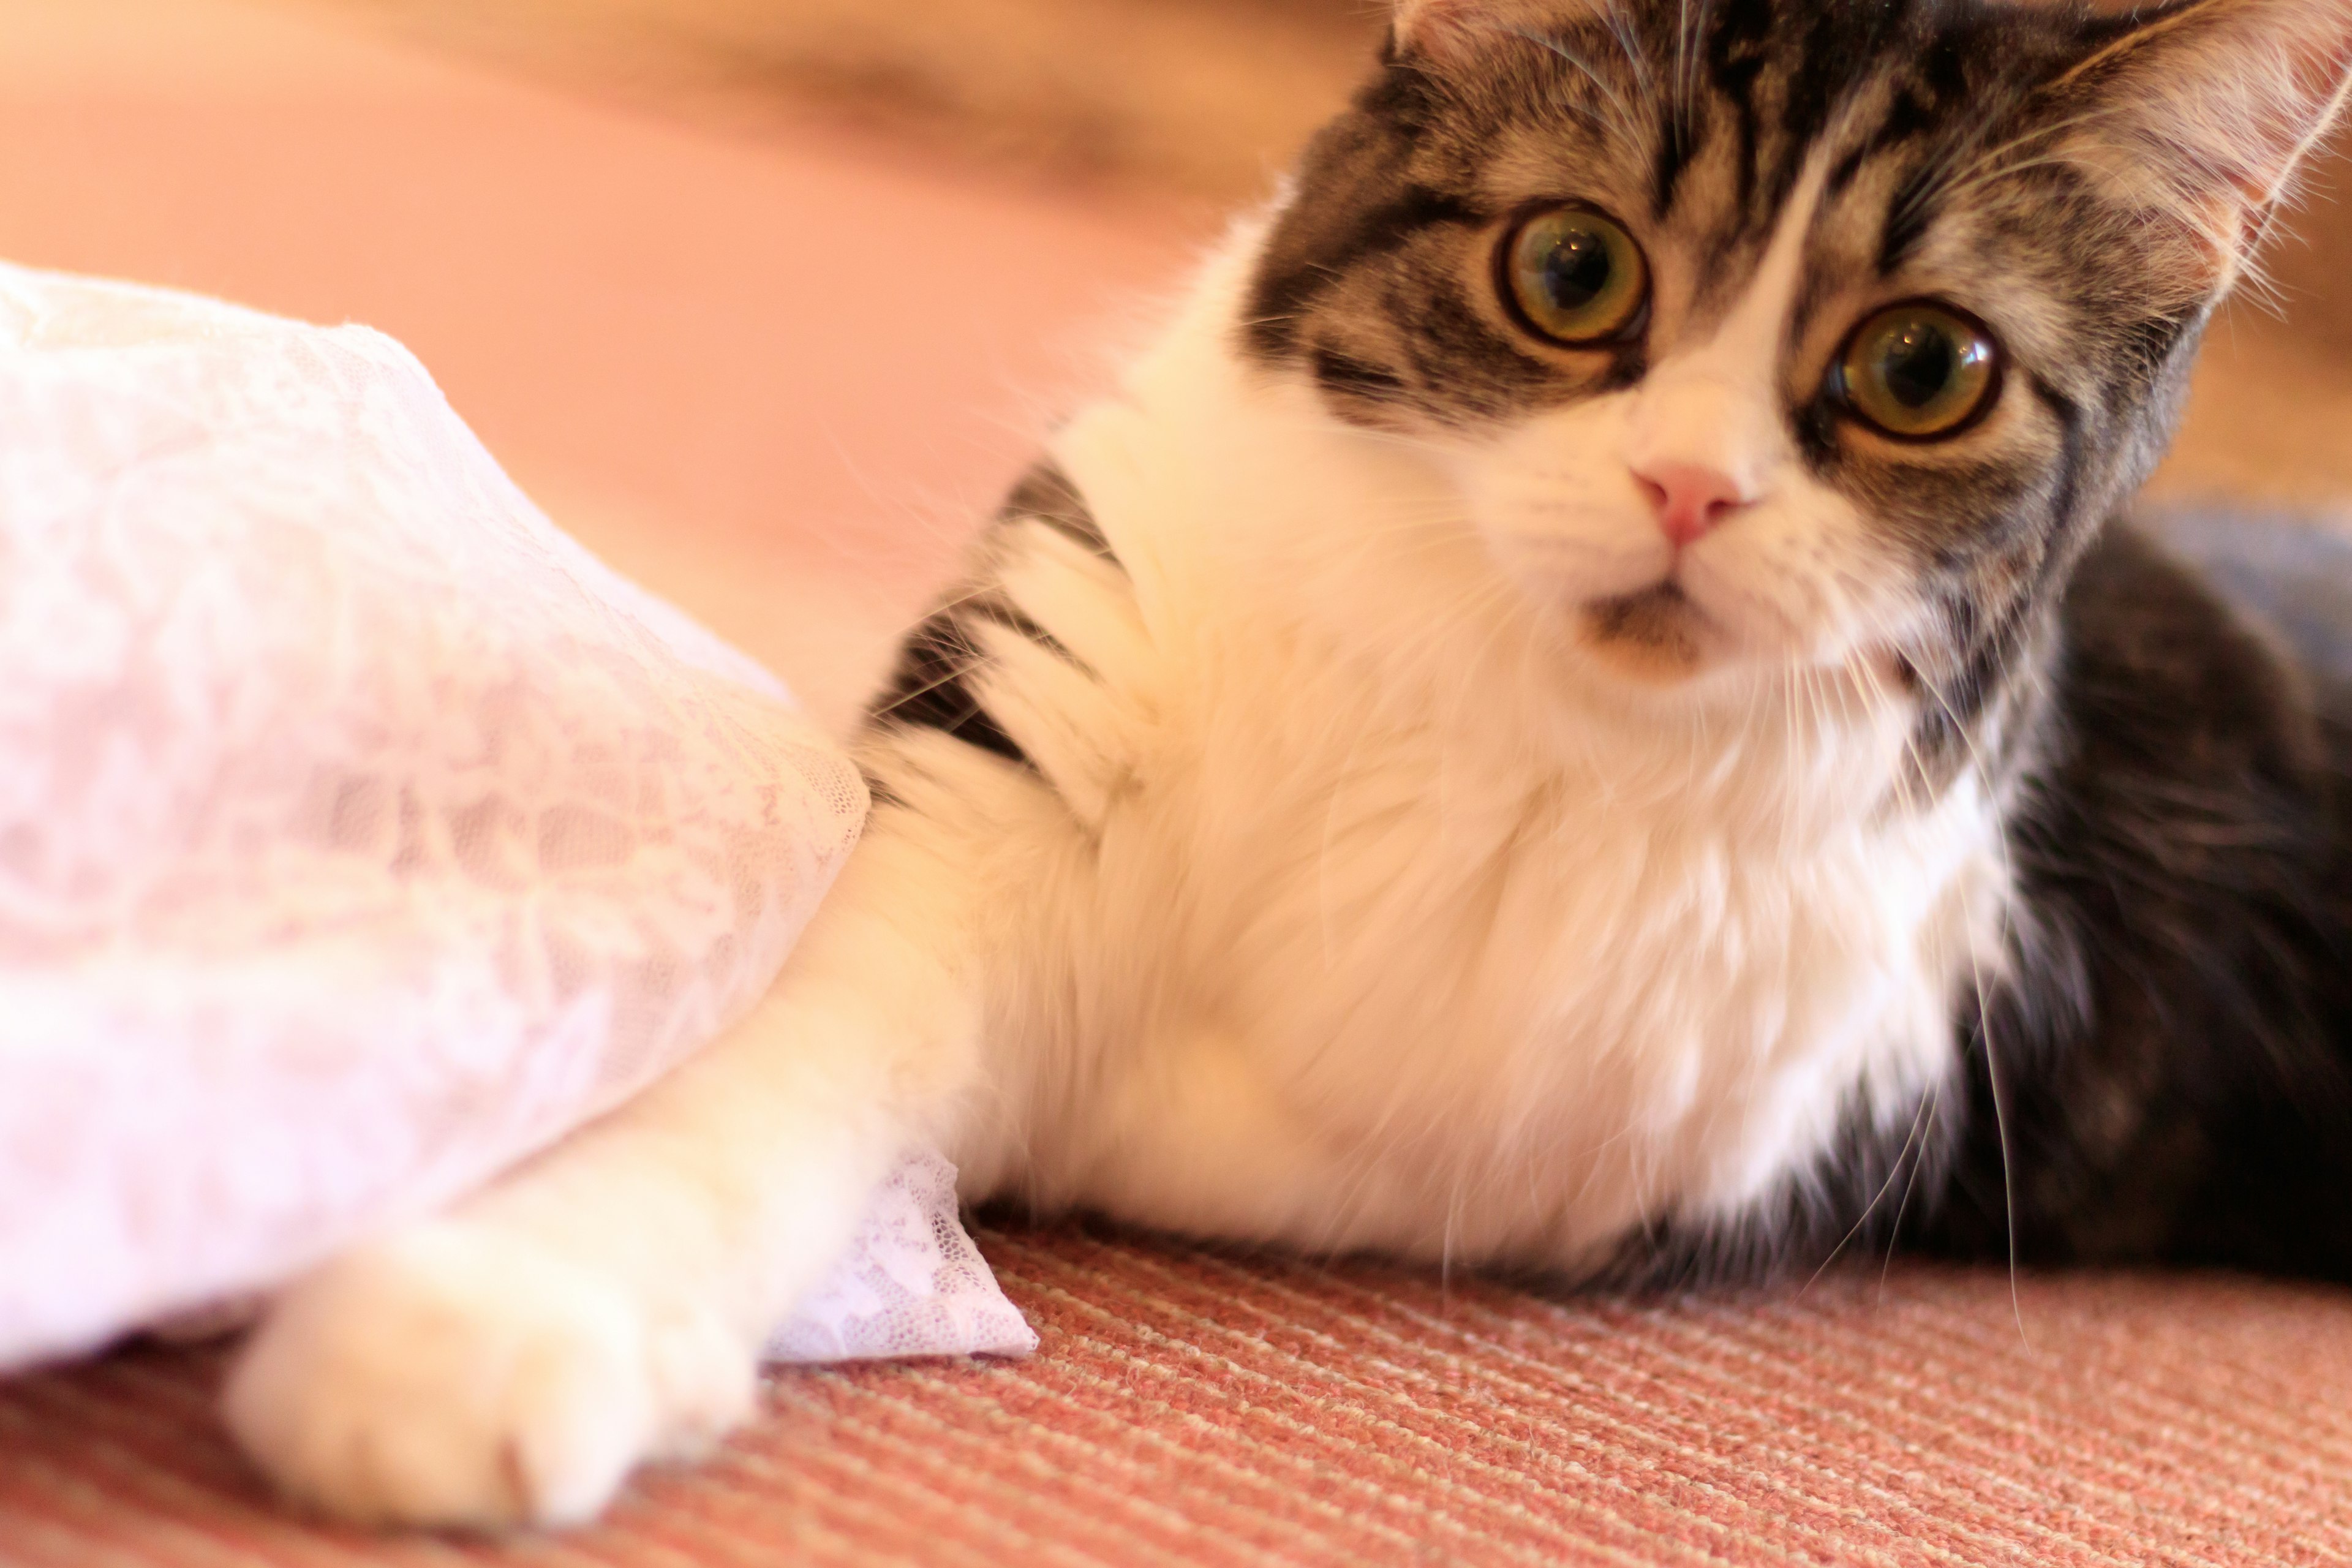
x,y
1390,941
1410,773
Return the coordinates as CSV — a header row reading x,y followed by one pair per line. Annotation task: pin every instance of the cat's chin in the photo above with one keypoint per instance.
x,y
1654,635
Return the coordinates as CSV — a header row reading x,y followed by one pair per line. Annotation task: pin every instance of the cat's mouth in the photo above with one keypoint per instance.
x,y
1657,632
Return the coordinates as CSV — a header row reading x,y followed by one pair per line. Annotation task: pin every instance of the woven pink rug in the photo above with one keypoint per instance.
x,y
1189,1406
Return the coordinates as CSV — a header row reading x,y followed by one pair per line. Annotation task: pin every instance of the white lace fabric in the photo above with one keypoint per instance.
x,y
914,1285
359,832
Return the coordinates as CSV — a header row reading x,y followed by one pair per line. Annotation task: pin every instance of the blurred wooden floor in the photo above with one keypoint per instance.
x,y
1210,97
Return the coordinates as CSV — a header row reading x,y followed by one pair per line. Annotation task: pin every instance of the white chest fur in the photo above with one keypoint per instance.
x,y
1378,929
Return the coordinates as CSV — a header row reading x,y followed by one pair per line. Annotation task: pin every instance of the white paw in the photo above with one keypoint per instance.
x,y
460,1376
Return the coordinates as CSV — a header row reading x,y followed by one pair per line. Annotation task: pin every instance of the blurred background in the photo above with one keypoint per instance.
x,y
767,300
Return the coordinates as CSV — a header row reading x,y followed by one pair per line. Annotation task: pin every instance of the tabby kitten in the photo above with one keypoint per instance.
x,y
1588,706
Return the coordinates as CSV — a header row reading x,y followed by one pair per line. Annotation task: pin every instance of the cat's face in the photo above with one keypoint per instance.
x,y
1790,333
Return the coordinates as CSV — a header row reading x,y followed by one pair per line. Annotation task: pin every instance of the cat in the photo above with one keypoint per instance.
x,y
1592,705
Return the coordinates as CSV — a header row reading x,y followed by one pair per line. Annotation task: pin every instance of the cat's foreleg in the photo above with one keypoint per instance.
x,y
511,1360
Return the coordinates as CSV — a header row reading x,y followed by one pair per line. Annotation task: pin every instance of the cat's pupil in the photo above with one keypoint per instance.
x,y
1918,364
1575,271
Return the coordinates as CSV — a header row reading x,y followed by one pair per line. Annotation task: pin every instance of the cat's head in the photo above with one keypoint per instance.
x,y
1790,333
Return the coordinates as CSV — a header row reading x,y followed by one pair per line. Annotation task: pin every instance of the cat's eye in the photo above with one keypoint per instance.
x,y
1575,276
1918,372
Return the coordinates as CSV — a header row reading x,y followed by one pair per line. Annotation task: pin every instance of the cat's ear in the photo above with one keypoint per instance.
x,y
1431,26
2198,117
1443,28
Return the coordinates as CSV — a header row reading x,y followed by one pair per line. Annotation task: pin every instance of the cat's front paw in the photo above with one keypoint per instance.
x,y
462,1376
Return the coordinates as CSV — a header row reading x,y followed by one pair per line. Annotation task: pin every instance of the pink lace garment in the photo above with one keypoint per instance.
x,y
358,832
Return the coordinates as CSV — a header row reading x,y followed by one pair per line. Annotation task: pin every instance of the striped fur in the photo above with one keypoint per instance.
x,y
934,685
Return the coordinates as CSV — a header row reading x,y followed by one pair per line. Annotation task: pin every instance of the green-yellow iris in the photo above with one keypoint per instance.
x,y
1575,276
1918,370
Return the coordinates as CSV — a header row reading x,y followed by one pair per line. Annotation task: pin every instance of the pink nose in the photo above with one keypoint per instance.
x,y
1690,500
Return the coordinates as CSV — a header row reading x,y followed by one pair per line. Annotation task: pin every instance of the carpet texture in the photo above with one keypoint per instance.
x,y
1196,1407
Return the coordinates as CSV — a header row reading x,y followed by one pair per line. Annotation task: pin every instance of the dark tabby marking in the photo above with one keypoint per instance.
x,y
931,690
931,685
1046,494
